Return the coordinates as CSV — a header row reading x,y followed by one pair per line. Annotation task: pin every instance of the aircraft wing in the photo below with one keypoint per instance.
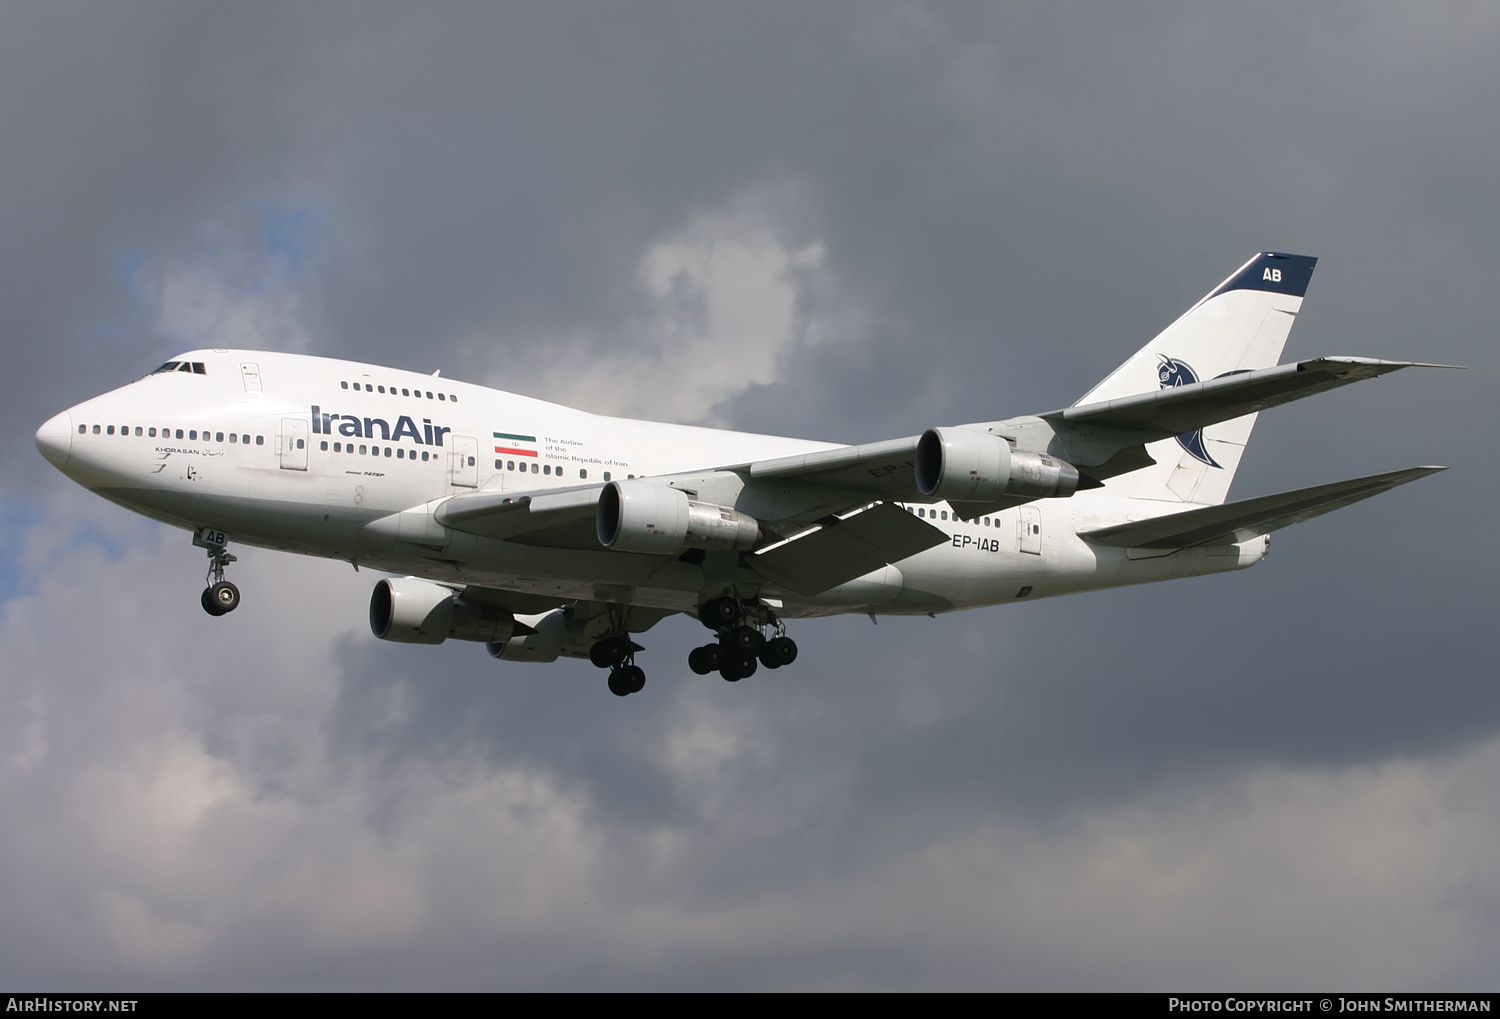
x,y
1179,409
879,468
559,517
1240,521
845,546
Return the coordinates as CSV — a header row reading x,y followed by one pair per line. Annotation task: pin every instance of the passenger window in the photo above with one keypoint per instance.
x,y
96,429
323,445
233,437
452,398
218,436
361,450
533,468
245,439
299,443
441,397
343,385
338,447
429,396
424,454
471,461
406,392
401,453
138,429
606,475
110,430
387,451
546,468
83,429
583,474
179,433
193,434
380,388
260,440
499,465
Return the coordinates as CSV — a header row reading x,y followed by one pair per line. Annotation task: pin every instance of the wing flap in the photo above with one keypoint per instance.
x,y
1240,521
844,547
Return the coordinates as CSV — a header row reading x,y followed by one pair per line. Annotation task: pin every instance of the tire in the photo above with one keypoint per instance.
x,y
618,684
778,651
208,603
633,677
747,638
718,612
608,652
700,661
225,596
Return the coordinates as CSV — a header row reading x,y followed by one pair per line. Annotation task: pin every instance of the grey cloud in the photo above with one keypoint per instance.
x,y
1010,200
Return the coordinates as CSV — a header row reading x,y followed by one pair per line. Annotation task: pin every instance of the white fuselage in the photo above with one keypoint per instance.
x,y
300,453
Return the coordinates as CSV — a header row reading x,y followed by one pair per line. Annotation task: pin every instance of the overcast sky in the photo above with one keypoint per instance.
x,y
839,221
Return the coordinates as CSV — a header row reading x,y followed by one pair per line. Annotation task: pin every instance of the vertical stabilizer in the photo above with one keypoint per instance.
x,y
1241,325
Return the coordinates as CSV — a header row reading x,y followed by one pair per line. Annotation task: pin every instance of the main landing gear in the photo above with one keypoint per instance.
x,y
220,596
742,643
616,652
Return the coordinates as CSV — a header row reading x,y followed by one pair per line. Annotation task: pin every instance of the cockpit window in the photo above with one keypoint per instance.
x,y
191,367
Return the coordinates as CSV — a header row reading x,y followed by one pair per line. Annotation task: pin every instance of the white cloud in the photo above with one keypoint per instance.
x,y
727,303
189,817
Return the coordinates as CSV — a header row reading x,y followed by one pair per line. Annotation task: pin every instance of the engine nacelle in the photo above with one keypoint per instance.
x,y
643,516
412,611
965,465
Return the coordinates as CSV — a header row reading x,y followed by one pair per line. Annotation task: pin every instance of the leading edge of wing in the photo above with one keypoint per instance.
x,y
1179,409
1241,521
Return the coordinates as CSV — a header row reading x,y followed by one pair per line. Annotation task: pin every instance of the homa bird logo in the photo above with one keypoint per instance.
x,y
1172,372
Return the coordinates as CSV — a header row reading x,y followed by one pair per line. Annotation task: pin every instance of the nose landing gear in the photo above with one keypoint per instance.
x,y
220,596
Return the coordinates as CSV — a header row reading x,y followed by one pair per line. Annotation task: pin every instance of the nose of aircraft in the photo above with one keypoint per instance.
x,y
55,439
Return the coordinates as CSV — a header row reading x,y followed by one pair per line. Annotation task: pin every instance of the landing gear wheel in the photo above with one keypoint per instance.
x,y
737,665
609,652
706,659
778,651
746,638
221,598
717,612
627,680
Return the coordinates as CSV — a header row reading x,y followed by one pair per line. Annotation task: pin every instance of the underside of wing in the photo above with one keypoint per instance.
x,y
560,518
1241,521
843,547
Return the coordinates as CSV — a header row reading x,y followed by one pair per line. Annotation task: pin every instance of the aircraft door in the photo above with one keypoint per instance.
x,y
1030,530
292,447
464,461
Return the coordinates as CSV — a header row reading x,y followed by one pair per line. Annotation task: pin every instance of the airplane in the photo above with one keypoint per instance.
x,y
544,532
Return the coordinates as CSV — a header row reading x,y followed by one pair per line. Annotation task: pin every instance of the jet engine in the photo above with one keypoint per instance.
x,y
413,611
965,465
642,516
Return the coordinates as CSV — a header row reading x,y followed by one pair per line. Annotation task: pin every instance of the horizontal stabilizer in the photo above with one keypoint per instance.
x,y
844,547
1178,409
1241,521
